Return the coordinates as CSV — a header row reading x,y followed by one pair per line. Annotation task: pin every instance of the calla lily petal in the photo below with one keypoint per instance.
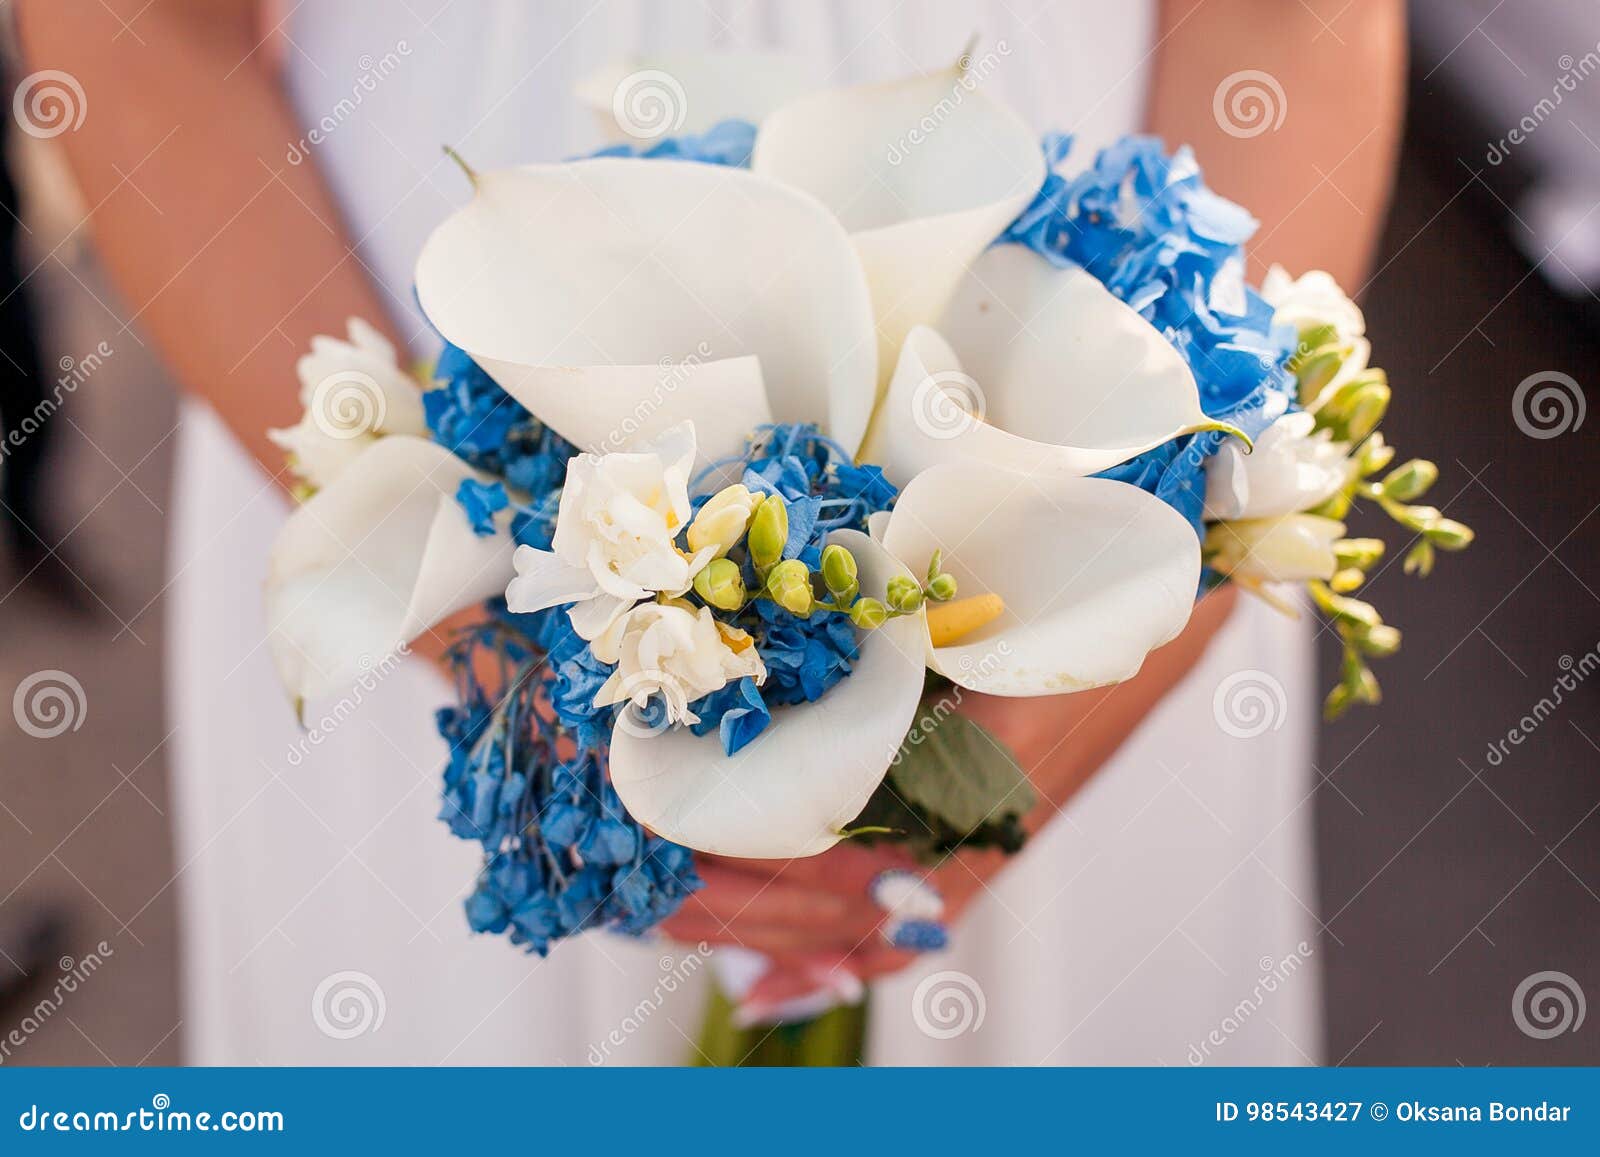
x,y
1094,574
808,774
647,98
616,297
924,172
371,561
1060,359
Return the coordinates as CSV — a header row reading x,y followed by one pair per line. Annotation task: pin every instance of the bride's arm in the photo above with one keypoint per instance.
x,y
227,255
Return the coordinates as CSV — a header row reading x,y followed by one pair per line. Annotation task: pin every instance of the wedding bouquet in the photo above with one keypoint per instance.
x,y
754,447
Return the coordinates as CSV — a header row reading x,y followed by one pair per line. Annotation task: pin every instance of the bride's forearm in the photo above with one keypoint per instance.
x,y
223,252
1294,109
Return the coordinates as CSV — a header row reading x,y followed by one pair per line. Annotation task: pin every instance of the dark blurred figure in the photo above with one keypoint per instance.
x,y
25,393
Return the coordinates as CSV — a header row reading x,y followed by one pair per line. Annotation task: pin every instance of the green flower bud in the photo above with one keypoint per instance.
x,y
868,614
1311,339
789,584
1374,454
1448,534
1410,481
1364,687
1337,703
1317,369
934,564
904,594
1419,559
839,571
1417,518
1380,642
721,585
942,588
723,520
1346,580
1361,553
1347,611
1365,411
769,532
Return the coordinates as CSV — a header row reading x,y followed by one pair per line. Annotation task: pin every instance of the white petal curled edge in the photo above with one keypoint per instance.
x,y
615,297
371,561
1058,359
920,202
808,774
1094,574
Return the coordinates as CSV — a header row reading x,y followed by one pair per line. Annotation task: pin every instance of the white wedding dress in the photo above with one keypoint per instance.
x,y
1165,919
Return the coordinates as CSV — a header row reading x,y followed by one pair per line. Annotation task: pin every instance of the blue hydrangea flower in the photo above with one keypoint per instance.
x,y
1143,222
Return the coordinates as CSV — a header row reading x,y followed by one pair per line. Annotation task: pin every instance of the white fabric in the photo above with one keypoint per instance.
x,y
1128,932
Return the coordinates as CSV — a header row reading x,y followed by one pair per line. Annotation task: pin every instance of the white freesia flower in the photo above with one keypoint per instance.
x,y
1292,468
1290,549
353,393
1314,299
675,651
619,298
615,530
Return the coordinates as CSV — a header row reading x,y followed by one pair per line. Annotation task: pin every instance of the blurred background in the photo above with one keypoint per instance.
x,y
1454,862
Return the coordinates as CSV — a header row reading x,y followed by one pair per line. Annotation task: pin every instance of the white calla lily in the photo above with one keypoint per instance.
x,y
1094,574
923,172
803,779
1036,367
616,297
373,560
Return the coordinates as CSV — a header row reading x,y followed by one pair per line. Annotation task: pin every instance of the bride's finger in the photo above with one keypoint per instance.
x,y
740,897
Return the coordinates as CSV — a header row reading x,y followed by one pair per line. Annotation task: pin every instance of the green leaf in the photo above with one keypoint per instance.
x,y
959,774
